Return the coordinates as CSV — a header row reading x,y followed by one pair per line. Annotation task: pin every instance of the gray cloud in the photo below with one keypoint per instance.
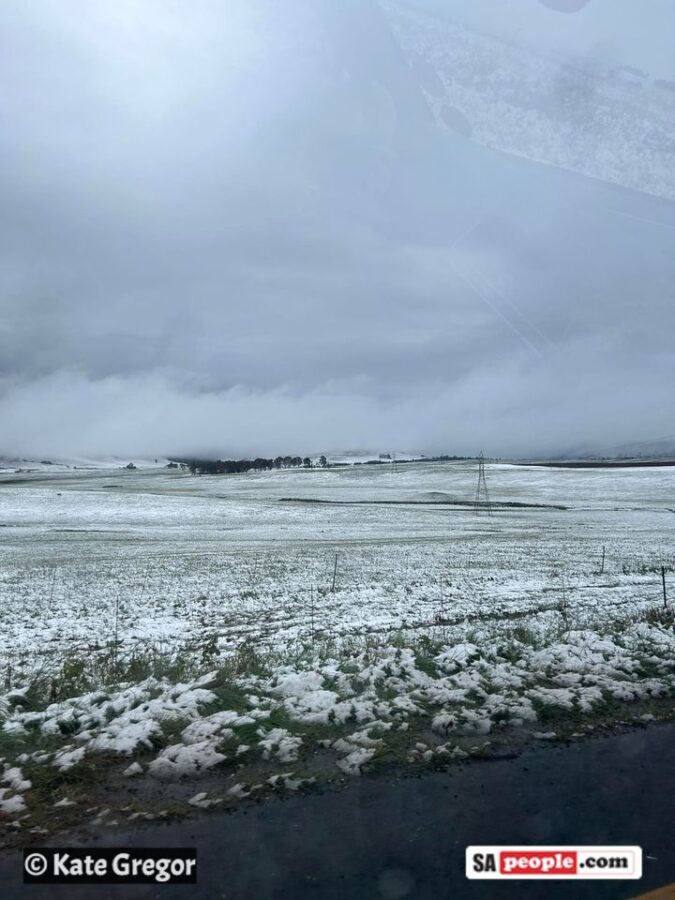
x,y
227,229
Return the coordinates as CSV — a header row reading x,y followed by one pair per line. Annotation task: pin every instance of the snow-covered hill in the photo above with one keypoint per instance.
x,y
658,448
55,464
350,457
611,123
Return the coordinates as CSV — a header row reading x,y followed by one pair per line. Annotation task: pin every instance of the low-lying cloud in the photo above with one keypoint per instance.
x,y
521,408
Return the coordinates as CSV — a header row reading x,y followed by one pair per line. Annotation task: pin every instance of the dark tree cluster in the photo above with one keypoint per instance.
x,y
236,466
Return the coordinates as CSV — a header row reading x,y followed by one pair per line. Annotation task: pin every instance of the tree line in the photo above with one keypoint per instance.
x,y
259,464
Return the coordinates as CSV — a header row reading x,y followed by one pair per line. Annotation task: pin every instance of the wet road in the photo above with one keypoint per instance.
x,y
405,837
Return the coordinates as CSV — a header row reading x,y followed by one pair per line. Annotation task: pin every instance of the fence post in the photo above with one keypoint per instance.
x,y
312,608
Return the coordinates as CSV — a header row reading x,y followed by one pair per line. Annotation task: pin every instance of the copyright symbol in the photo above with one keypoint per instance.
x,y
35,864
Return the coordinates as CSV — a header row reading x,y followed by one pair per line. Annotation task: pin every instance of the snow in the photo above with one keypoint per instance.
x,y
216,572
179,760
124,737
201,800
290,683
353,763
13,777
68,758
11,805
456,657
178,559
278,743
239,791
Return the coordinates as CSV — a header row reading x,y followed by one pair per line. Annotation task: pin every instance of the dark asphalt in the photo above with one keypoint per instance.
x,y
405,837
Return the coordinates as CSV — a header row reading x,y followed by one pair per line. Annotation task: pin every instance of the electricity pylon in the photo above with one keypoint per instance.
x,y
482,500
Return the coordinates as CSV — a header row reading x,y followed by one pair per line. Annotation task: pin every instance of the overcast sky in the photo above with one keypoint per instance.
x,y
232,227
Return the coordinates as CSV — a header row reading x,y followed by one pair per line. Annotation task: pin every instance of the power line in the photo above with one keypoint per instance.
x,y
482,500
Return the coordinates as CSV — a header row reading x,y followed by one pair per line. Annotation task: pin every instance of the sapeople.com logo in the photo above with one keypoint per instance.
x,y
554,862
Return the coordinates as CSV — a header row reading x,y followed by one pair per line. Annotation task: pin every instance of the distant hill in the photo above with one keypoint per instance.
x,y
657,449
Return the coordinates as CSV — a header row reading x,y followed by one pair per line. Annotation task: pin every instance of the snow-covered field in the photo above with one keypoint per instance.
x,y
188,625
159,556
